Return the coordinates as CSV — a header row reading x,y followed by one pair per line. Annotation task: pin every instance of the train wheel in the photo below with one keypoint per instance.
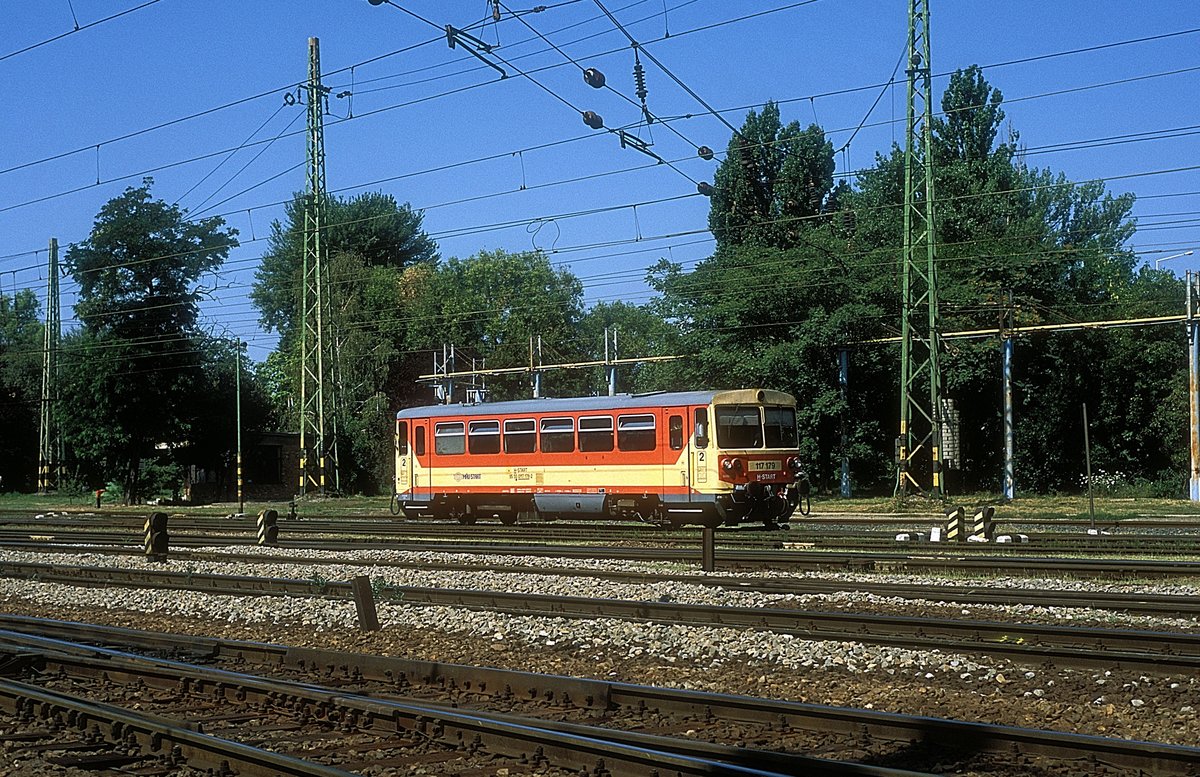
x,y
508,519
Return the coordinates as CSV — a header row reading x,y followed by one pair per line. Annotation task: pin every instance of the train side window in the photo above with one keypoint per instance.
x,y
701,422
596,433
558,435
449,439
520,436
636,433
402,438
483,437
419,440
675,432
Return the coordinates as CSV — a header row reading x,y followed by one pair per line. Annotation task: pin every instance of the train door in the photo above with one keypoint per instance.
x,y
698,454
678,461
422,458
404,465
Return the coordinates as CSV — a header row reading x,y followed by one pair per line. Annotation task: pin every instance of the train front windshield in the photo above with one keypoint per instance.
x,y
754,426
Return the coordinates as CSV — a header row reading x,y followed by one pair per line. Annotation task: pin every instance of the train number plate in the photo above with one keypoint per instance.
x,y
764,466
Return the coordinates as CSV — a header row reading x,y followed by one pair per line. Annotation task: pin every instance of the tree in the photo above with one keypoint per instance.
x,y
371,226
773,179
20,389
803,266
371,241
1029,241
640,330
490,305
135,370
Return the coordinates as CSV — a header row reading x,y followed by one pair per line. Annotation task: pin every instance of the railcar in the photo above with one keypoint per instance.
x,y
698,457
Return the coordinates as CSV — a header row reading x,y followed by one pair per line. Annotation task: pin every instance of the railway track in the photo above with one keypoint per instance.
x,y
1062,646
344,689
1163,605
211,718
825,534
969,558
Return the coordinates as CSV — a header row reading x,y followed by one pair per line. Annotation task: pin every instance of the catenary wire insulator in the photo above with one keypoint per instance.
x,y
639,80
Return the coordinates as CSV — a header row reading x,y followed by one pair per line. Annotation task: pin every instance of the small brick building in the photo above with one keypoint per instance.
x,y
270,473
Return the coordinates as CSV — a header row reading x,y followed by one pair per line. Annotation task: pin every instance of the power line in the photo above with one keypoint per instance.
x,y
78,28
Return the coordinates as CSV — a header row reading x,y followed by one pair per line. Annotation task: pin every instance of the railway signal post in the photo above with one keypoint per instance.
x,y
157,539
268,528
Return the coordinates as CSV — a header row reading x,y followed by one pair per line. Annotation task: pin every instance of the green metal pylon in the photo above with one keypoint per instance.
x,y
50,447
920,421
318,404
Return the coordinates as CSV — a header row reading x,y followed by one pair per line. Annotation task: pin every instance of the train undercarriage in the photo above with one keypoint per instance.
x,y
768,504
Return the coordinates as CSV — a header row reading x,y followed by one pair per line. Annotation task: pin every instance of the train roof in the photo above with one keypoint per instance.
x,y
618,402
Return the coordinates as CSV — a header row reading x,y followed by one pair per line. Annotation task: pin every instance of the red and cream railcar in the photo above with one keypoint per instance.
x,y
704,457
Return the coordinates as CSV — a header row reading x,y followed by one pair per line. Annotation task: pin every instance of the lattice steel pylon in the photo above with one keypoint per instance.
x,y
318,401
920,422
50,446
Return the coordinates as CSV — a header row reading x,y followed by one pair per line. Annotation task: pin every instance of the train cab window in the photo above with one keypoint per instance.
x,y
636,433
520,436
449,439
483,437
700,420
558,435
675,432
596,433
402,438
419,440
779,426
739,426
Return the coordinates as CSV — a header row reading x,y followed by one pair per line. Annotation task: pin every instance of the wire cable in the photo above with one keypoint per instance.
x,y
78,28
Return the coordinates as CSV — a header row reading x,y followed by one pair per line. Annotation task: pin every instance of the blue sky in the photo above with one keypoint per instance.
x,y
503,163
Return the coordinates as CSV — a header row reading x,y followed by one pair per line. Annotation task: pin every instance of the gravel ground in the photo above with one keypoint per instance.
x,y
979,688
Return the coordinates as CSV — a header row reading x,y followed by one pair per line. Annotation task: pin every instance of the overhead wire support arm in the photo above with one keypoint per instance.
x,y
637,144
472,45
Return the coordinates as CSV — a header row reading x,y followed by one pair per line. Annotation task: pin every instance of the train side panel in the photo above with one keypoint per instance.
x,y
659,463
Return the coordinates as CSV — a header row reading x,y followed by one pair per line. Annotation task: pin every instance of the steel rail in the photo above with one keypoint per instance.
x,y
948,558
1148,651
155,736
366,523
1140,603
597,750
1149,757
825,516
1124,548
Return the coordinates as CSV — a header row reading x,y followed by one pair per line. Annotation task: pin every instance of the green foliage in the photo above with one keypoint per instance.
x,y
372,242
773,180
490,305
134,376
20,389
370,226
803,266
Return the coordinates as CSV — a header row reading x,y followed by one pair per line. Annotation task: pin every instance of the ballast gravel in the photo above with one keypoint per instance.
x,y
727,660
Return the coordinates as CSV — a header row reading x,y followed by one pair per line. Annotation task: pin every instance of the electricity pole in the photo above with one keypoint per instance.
x,y
50,451
920,437
318,405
